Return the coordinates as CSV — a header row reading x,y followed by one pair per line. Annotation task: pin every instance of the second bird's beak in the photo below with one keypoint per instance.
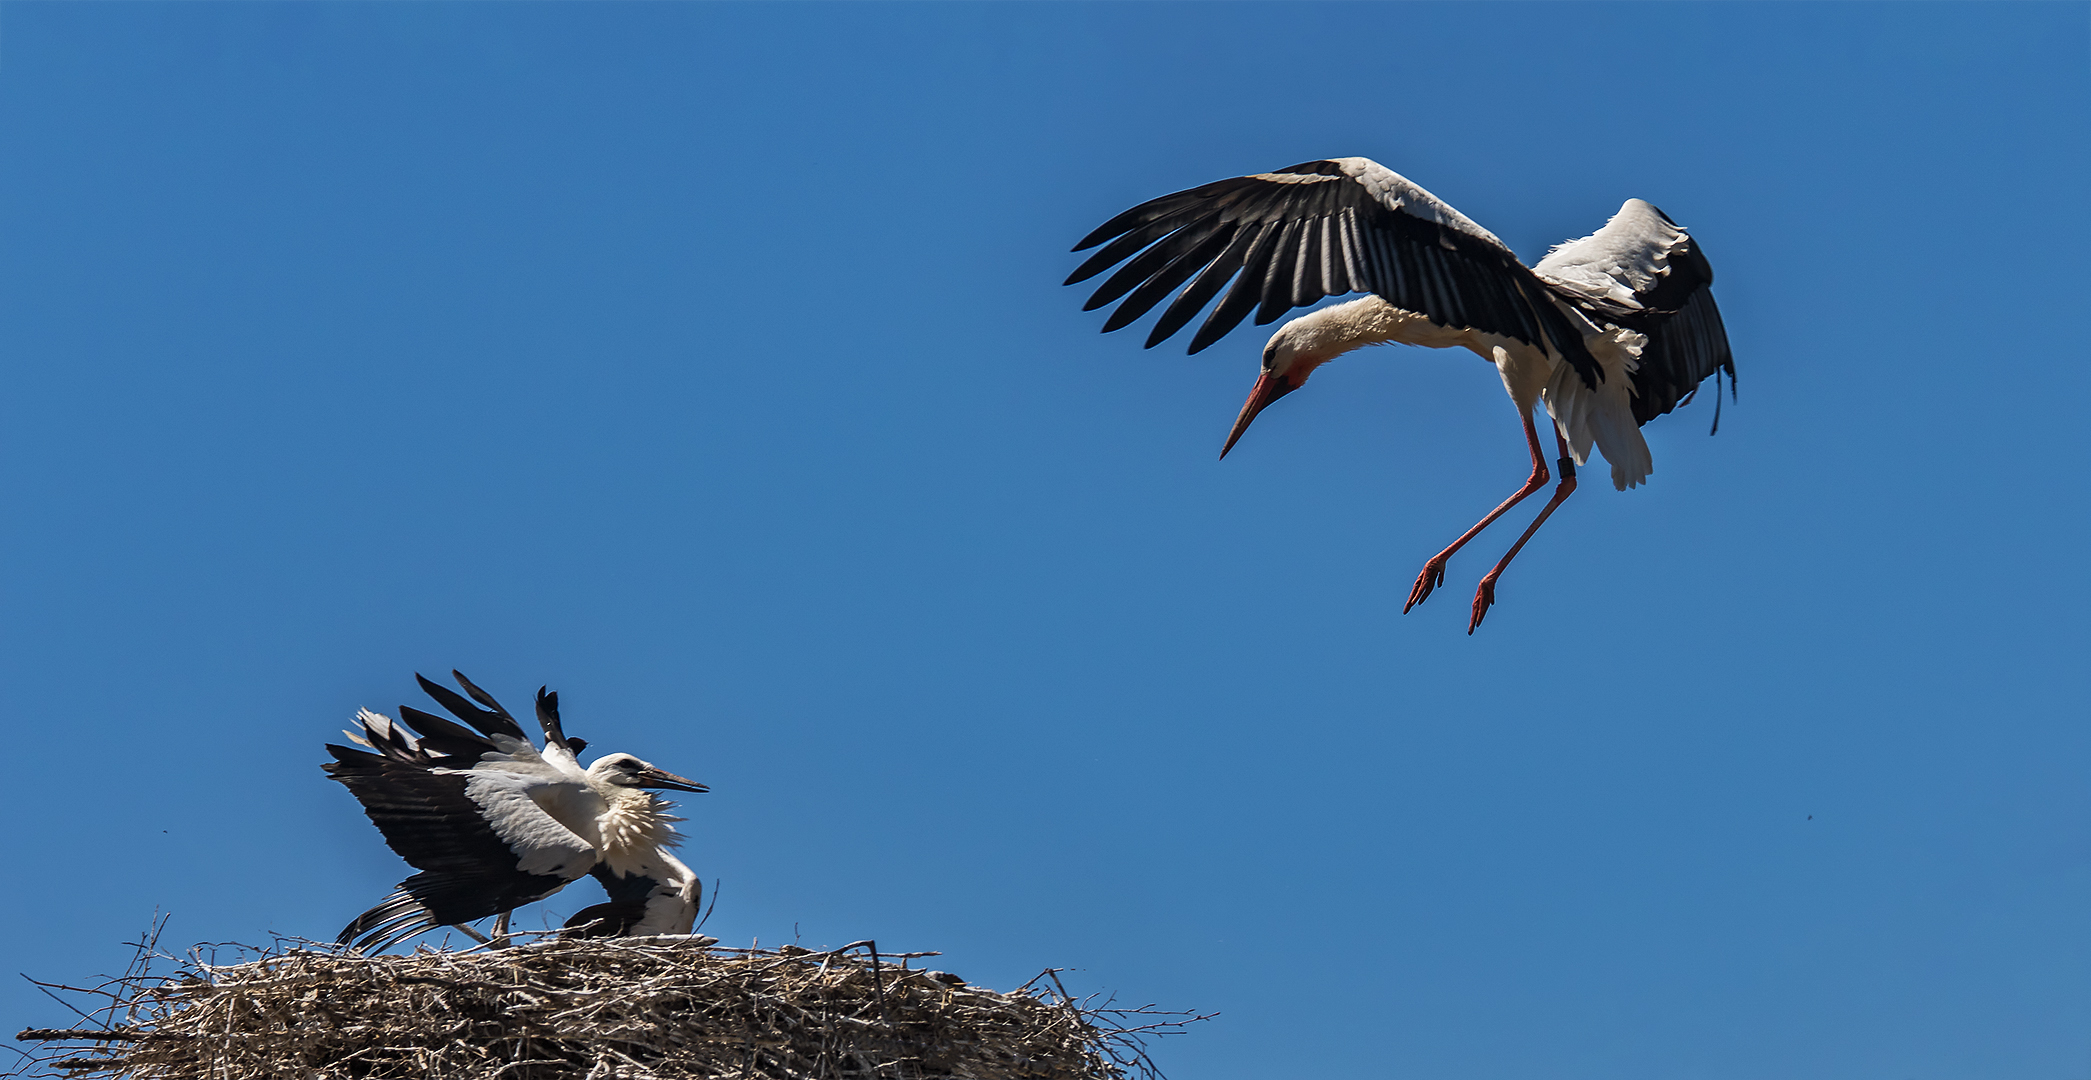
x,y
650,777
1269,388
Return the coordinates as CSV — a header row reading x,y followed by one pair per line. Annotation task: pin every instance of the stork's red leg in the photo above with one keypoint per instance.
x,y
1433,574
1485,595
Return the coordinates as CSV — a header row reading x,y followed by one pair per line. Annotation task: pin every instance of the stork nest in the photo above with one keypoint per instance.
x,y
587,1008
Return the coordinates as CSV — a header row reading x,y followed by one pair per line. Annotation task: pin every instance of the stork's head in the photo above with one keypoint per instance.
x,y
626,771
1294,352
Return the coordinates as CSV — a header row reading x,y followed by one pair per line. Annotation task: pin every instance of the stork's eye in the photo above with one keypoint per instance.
x,y
1270,353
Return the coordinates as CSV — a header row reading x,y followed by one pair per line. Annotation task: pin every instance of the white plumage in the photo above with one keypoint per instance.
x,y
1608,331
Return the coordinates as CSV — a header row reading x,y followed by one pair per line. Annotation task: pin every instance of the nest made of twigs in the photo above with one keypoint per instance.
x,y
591,1008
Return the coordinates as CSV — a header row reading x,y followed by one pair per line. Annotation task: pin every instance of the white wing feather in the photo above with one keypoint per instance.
x,y
1624,260
510,803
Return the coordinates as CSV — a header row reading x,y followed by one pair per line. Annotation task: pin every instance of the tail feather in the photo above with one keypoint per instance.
x,y
1604,417
399,911
398,936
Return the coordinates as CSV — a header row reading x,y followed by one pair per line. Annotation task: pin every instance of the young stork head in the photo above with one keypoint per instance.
x,y
1295,351
635,825
626,771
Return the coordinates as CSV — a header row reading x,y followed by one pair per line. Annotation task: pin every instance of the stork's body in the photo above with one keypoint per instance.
x,y
493,822
1608,331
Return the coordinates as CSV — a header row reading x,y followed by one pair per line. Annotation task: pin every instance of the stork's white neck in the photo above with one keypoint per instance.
x,y
1321,336
635,829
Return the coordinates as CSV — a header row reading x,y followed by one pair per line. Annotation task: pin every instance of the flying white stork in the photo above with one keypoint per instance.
x,y
1610,331
494,823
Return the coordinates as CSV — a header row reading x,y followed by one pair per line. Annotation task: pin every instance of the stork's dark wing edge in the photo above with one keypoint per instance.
x,y
1683,350
1320,228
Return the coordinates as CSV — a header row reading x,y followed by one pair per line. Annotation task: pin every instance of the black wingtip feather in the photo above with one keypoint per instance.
x,y
1128,221
348,756
496,721
430,726
548,717
478,695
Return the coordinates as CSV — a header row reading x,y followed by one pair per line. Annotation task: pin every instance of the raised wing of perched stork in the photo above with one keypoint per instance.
x,y
1609,331
491,821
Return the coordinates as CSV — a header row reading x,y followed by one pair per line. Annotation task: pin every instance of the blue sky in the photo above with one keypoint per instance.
x,y
710,364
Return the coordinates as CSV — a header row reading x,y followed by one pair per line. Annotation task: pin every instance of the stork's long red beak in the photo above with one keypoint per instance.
x,y
1269,388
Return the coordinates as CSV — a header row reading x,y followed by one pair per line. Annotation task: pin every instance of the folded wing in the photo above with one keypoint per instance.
x,y
1645,273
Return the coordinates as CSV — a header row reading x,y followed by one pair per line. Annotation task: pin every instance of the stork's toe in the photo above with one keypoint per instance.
x,y
1433,575
1484,598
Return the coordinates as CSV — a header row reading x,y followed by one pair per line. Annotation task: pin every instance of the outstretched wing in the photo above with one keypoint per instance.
x,y
1646,273
1316,229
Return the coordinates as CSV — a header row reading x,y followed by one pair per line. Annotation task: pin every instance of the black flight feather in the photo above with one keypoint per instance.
x,y
1152,261
492,722
1211,281
548,718
1247,290
1169,277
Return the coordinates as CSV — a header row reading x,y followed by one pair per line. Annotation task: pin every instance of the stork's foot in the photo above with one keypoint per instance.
x,y
1433,575
1484,598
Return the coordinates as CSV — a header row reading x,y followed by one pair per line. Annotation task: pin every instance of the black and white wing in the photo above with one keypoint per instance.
x,y
639,905
466,809
1320,228
1644,272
